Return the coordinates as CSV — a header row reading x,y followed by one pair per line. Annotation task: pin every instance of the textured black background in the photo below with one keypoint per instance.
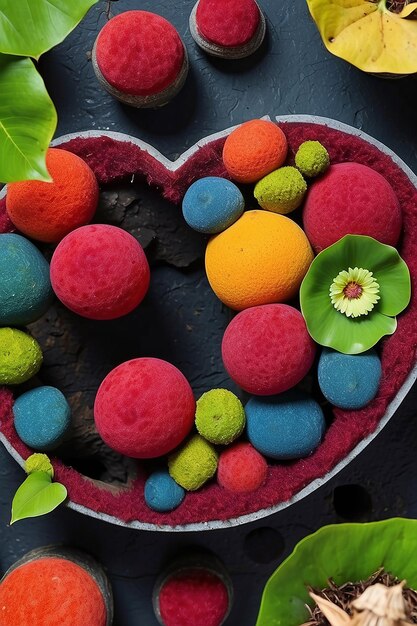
x,y
292,73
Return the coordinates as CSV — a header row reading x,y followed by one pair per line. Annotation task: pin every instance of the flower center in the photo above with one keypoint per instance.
x,y
354,292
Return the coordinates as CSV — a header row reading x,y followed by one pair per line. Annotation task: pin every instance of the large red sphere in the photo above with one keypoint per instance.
x,y
351,199
100,272
267,349
144,408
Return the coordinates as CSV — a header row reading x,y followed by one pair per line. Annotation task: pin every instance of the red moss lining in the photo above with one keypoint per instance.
x,y
112,161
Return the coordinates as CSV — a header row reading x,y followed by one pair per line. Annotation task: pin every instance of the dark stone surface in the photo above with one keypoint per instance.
x,y
291,73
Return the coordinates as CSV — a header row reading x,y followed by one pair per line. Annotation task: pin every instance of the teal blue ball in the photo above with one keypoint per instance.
x,y
286,426
25,286
349,381
42,418
212,204
162,493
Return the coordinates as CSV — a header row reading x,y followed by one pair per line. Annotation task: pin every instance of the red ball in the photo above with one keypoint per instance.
x,y
144,408
351,199
241,468
100,272
267,349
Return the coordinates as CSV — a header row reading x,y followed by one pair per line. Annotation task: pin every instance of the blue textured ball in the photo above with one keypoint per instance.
x,y
287,426
212,204
162,493
42,418
349,381
25,287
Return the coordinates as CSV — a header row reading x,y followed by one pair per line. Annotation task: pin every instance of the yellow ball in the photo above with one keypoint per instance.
x,y
262,258
20,356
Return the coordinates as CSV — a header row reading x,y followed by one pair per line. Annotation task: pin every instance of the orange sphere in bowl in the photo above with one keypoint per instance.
x,y
47,211
262,258
253,150
51,592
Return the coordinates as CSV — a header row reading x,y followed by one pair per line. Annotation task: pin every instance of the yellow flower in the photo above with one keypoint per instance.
x,y
354,292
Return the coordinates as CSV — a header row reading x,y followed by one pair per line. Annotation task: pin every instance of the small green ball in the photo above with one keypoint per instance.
x,y
220,416
39,462
20,356
193,464
281,191
312,158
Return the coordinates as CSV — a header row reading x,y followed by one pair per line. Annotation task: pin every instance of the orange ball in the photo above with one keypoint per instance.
x,y
51,592
49,211
254,150
262,258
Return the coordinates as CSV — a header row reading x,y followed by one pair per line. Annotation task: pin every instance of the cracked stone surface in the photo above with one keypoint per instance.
x,y
291,73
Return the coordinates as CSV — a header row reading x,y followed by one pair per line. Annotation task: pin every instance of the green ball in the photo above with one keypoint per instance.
x,y
193,464
39,462
312,158
220,416
20,356
282,191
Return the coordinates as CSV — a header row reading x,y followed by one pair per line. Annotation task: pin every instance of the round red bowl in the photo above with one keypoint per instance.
x,y
116,157
189,566
140,59
83,560
219,36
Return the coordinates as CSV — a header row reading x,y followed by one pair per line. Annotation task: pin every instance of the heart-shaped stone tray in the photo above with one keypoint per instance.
x,y
118,158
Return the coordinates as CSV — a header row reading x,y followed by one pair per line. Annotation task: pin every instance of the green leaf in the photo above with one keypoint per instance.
x,y
37,496
389,269
344,552
27,121
31,27
329,327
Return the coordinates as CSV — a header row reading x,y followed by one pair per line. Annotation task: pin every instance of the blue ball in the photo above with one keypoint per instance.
x,y
25,286
212,204
42,418
162,493
287,426
349,381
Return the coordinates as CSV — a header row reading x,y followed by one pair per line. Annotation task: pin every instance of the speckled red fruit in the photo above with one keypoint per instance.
x,y
144,408
231,23
267,349
139,53
51,592
100,272
351,199
241,469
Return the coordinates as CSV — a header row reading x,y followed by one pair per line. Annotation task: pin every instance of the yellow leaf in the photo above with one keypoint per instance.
x,y
408,9
368,35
